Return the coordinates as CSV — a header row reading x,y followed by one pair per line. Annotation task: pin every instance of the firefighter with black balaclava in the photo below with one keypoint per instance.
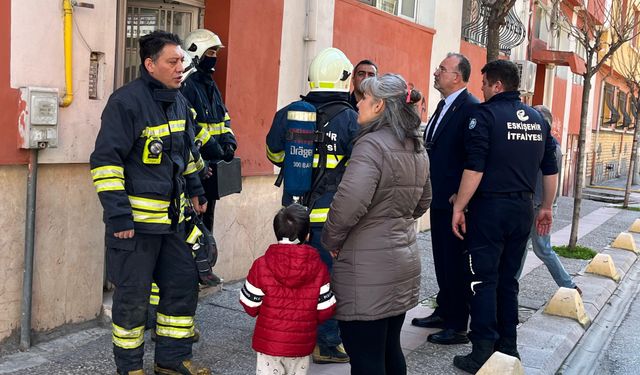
x,y
213,132
311,140
145,173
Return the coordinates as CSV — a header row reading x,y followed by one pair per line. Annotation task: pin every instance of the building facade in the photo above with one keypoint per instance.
x,y
270,44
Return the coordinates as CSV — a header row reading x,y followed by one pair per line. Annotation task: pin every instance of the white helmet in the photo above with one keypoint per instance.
x,y
187,65
330,70
199,41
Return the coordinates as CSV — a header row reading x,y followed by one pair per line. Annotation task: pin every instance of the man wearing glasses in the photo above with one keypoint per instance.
x,y
444,140
364,69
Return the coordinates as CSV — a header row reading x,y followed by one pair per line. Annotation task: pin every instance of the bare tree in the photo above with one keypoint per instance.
x,y
601,28
499,9
628,65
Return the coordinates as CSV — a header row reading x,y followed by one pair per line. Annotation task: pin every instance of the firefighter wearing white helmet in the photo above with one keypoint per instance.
x,y
330,70
326,106
199,41
214,136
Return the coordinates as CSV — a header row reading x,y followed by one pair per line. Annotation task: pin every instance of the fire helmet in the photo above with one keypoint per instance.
x,y
330,70
200,40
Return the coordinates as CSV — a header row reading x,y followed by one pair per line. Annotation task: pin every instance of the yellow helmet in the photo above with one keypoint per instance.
x,y
199,41
330,70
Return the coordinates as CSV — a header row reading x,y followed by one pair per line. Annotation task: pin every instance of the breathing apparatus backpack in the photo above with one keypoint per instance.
x,y
305,134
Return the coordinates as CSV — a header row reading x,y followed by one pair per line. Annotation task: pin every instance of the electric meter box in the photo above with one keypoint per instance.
x,y
38,121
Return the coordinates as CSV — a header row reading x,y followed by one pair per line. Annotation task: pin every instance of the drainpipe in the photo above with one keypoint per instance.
x,y
310,37
27,280
32,177
68,67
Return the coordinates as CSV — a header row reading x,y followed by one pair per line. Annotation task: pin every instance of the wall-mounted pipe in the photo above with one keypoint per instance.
x,y
29,247
67,99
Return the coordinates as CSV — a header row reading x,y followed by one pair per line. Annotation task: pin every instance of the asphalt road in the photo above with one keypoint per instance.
x,y
621,355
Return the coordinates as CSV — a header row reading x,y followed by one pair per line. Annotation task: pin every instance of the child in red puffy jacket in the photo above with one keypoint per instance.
x,y
288,289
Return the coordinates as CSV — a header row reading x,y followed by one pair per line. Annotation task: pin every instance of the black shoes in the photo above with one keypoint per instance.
x,y
431,321
448,337
508,346
472,362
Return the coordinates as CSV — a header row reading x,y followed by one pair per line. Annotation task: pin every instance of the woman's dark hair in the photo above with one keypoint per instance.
x,y
399,112
292,222
152,44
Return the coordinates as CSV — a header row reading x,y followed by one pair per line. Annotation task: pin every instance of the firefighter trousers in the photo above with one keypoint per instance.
x,y
132,265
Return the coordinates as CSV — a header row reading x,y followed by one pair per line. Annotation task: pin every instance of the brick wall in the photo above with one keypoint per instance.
x,y
611,151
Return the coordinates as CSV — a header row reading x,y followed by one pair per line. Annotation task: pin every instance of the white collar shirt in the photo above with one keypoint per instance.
x,y
447,103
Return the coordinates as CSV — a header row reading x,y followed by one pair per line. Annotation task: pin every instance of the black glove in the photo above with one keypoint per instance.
x,y
212,150
228,153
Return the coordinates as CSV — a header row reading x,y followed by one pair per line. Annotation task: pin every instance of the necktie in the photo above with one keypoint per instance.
x,y
434,121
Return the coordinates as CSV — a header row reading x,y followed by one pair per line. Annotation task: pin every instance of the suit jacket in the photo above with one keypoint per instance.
x,y
446,153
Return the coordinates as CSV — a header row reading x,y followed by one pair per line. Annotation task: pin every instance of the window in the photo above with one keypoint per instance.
x,y
625,119
401,8
142,18
610,115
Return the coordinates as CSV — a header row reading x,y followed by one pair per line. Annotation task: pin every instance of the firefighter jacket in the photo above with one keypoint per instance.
x,y
339,133
139,190
213,128
288,290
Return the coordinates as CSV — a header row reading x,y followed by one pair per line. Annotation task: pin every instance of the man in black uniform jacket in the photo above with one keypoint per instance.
x,y
444,140
144,171
507,142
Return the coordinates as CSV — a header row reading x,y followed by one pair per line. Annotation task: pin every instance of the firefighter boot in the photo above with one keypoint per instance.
x,y
184,368
508,346
471,363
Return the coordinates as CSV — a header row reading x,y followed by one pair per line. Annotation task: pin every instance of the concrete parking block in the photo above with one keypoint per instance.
x,y
625,241
603,265
567,303
622,258
500,363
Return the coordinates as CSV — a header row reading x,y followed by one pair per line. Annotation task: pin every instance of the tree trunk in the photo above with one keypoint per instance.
x,y
632,162
580,163
493,34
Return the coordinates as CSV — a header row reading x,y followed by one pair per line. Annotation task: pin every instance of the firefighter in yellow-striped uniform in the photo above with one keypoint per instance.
x,y
144,170
329,81
213,132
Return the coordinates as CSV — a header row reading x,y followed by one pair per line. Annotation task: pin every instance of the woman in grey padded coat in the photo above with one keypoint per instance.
x,y
371,228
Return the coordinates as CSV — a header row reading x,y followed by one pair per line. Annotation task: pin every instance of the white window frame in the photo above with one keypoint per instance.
x,y
379,3
121,25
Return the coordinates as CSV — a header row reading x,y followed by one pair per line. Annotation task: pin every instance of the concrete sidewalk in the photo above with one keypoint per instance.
x,y
544,341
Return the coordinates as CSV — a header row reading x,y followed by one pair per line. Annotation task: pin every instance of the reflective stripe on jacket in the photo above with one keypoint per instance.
x,y
146,196
213,123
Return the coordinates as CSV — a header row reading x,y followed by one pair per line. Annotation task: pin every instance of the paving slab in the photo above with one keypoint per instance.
x,y
544,341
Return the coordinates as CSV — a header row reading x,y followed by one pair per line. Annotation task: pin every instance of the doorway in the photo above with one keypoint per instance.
x,y
138,18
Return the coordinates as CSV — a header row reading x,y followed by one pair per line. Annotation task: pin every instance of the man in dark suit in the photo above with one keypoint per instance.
x,y
444,140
